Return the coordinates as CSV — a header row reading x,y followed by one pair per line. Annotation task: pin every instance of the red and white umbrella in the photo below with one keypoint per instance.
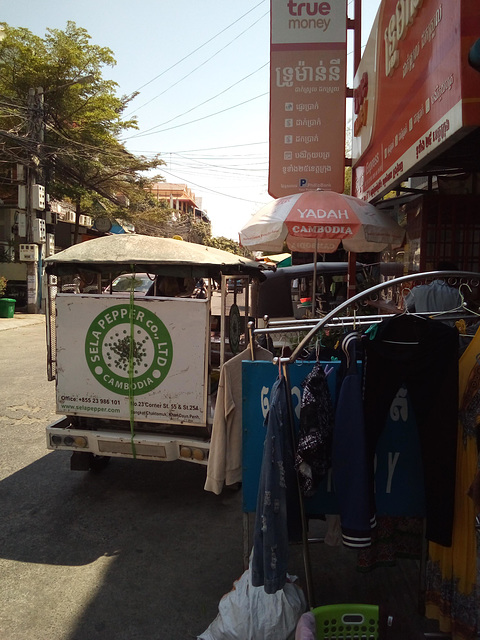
x,y
317,221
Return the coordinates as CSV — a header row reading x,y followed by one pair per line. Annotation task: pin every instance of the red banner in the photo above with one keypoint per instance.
x,y
414,92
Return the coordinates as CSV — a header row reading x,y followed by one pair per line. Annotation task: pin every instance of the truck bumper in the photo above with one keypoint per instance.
x,y
62,436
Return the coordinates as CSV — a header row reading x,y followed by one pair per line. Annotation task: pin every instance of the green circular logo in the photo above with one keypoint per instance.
x,y
111,343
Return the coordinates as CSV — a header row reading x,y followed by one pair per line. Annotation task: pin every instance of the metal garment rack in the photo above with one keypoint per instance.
x,y
333,319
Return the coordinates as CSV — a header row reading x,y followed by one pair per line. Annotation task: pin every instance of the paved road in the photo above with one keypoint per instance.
x,y
139,551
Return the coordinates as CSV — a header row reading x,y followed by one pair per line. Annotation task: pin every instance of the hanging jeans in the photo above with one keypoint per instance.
x,y
277,503
423,355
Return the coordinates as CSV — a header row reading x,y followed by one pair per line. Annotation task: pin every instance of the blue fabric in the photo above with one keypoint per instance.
x,y
349,457
277,488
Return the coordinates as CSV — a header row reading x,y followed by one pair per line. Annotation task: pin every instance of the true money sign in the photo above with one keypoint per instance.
x,y
154,351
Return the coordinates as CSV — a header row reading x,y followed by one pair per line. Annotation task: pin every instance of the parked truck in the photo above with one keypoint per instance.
x,y
136,371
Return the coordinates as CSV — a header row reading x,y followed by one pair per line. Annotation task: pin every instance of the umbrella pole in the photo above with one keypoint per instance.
x,y
352,274
314,285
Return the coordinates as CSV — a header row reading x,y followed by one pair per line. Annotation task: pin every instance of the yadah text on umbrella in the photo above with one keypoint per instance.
x,y
321,214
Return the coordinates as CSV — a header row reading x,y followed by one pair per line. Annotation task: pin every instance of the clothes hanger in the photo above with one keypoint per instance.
x,y
279,361
327,370
404,314
251,340
464,302
461,307
354,335
405,292
318,345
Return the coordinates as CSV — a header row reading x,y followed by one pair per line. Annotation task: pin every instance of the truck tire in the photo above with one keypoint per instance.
x,y
98,463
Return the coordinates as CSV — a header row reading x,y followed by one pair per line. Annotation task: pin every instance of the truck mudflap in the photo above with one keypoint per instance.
x,y
62,436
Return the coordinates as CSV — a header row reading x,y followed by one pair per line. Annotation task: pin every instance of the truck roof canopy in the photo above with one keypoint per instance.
x,y
140,253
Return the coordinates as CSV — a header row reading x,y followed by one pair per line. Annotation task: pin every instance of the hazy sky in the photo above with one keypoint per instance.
x,y
202,69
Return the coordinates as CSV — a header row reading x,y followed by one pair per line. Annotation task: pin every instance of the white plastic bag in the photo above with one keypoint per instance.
x,y
248,613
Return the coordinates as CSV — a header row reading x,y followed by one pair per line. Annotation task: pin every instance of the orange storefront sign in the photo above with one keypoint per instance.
x,y
414,91
307,96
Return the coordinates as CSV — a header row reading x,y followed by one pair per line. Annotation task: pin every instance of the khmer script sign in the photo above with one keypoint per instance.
x,y
307,96
415,94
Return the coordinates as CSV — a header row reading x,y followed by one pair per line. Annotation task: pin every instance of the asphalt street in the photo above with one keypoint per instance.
x,y
139,550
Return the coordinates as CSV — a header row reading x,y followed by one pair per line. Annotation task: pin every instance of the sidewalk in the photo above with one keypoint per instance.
x,y
21,320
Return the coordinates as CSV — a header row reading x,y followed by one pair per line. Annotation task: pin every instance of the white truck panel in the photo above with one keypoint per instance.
x,y
161,378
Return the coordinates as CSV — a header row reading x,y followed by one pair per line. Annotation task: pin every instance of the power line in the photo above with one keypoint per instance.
x,y
198,48
219,193
201,165
85,147
200,65
230,146
235,106
235,84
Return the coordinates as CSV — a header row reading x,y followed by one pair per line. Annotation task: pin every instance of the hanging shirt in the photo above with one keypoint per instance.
x,y
436,296
277,517
452,581
349,453
314,448
422,354
225,457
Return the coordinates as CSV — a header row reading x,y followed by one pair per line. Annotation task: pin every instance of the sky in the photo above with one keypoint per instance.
x,y
202,71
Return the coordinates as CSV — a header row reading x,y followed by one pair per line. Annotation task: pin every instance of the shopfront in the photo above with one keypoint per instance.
x,y
417,127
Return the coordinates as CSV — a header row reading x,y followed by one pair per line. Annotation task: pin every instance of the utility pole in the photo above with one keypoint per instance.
x,y
35,189
34,173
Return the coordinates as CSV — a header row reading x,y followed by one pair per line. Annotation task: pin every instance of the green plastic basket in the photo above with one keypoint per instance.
x,y
347,622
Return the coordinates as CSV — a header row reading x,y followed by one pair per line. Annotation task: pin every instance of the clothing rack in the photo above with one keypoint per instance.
x,y
333,319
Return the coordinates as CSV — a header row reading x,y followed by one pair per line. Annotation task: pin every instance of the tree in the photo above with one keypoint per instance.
x,y
80,116
227,244
69,135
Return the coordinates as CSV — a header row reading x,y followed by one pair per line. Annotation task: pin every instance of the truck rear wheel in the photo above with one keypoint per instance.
x,y
84,461
98,463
